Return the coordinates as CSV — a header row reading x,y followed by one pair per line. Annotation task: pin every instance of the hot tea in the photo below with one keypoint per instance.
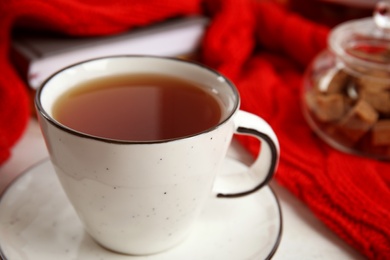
x,y
138,107
139,143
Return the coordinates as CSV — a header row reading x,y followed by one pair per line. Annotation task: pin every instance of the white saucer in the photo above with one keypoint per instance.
x,y
37,222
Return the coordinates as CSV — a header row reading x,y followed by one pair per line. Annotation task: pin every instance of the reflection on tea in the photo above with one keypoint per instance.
x,y
138,107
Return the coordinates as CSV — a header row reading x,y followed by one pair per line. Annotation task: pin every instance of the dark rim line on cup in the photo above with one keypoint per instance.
x,y
57,124
117,141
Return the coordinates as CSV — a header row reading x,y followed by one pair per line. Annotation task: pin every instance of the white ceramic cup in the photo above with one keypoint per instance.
x,y
143,197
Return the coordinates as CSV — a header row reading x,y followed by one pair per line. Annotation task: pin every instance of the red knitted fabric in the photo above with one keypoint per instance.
x,y
263,49
348,193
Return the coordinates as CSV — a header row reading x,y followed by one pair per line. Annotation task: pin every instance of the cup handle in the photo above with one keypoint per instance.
x,y
264,166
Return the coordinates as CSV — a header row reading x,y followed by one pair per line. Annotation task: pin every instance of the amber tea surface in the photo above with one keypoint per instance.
x,y
139,107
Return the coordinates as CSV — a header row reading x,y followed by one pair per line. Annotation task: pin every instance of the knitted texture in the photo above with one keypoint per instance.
x,y
350,194
263,49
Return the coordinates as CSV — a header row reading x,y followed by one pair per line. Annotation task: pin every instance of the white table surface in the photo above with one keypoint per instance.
x,y
303,237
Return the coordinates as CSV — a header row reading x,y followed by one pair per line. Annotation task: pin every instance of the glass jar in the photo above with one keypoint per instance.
x,y
346,89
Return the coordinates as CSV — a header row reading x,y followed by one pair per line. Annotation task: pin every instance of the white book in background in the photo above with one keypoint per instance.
x,y
38,57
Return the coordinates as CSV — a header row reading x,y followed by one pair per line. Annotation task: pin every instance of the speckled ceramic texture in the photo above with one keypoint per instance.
x,y
137,198
37,222
142,197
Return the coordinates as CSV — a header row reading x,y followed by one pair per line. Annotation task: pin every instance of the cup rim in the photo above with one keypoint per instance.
x,y
40,110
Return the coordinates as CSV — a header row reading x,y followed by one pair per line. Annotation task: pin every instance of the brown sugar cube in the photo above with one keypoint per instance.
x,y
381,133
358,121
310,99
334,82
332,131
326,107
372,84
366,146
379,100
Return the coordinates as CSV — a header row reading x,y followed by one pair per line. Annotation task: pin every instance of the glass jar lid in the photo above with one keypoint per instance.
x,y
365,43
